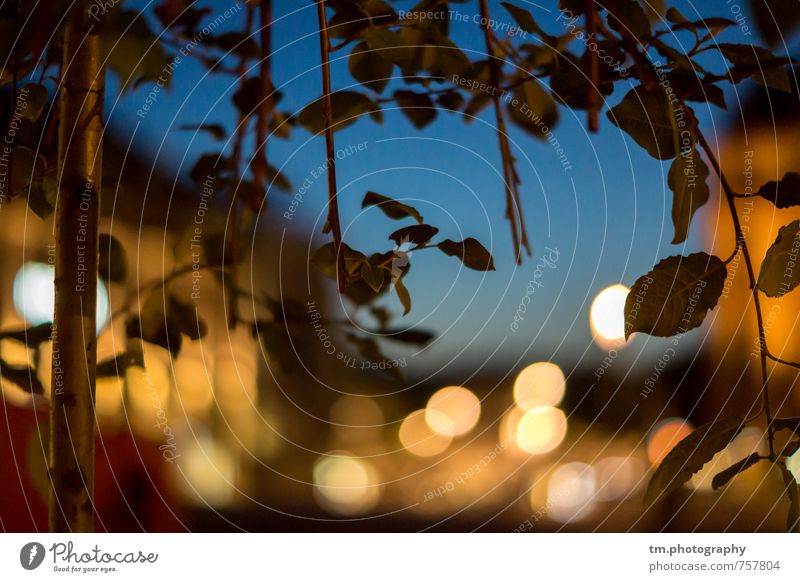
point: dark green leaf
(783, 193)
(470, 252)
(780, 272)
(722, 478)
(324, 258)
(675, 296)
(417, 234)
(113, 264)
(687, 179)
(390, 207)
(689, 456)
(524, 19)
(373, 276)
(369, 67)
(648, 119)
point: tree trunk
(72, 419)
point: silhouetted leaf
(450, 100)
(535, 111)
(793, 517)
(417, 234)
(24, 377)
(792, 424)
(648, 119)
(373, 276)
(131, 49)
(30, 336)
(524, 19)
(756, 63)
(722, 478)
(215, 130)
(470, 252)
(369, 68)
(116, 366)
(689, 456)
(783, 193)
(390, 207)
(780, 272)
(324, 258)
(347, 107)
(628, 16)
(113, 265)
(417, 107)
(687, 179)
(408, 336)
(776, 20)
(675, 296)
(403, 295)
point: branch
(593, 84)
(330, 149)
(782, 361)
(519, 233)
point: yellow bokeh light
(209, 471)
(452, 411)
(418, 438)
(508, 426)
(664, 437)
(607, 315)
(540, 384)
(541, 430)
(195, 393)
(571, 492)
(345, 484)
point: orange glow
(540, 384)
(541, 430)
(452, 411)
(664, 437)
(418, 438)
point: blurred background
(547, 425)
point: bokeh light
(452, 411)
(34, 295)
(209, 470)
(418, 438)
(664, 436)
(541, 430)
(540, 384)
(617, 477)
(345, 484)
(607, 315)
(571, 492)
(356, 415)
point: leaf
(524, 19)
(758, 64)
(373, 276)
(451, 100)
(793, 517)
(790, 448)
(369, 67)
(35, 100)
(628, 17)
(647, 118)
(42, 197)
(689, 456)
(116, 366)
(780, 272)
(792, 424)
(687, 179)
(417, 107)
(324, 258)
(723, 477)
(247, 97)
(403, 295)
(24, 377)
(346, 106)
(534, 110)
(215, 130)
(675, 296)
(776, 20)
(32, 337)
(408, 336)
(132, 51)
(113, 264)
(184, 317)
(470, 252)
(390, 207)
(783, 193)
(277, 345)
(417, 234)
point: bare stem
(330, 149)
(260, 164)
(730, 196)
(593, 85)
(519, 232)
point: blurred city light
(540, 384)
(345, 484)
(541, 430)
(418, 438)
(607, 316)
(452, 411)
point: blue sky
(608, 217)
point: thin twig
(782, 361)
(519, 233)
(260, 163)
(330, 149)
(762, 340)
(593, 85)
